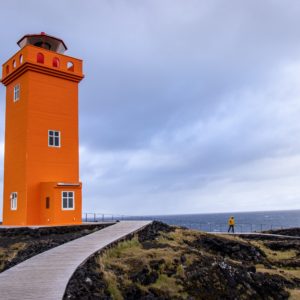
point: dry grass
(169, 285)
(129, 255)
(112, 282)
(126, 255)
(113, 258)
(274, 255)
(294, 294)
(231, 237)
(7, 254)
(286, 273)
(127, 258)
(277, 256)
(182, 234)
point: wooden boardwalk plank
(46, 275)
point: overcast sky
(187, 106)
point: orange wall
(15, 153)
(55, 215)
(52, 104)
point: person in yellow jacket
(231, 224)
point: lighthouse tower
(41, 159)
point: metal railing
(208, 226)
(223, 227)
(98, 217)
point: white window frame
(53, 136)
(67, 198)
(13, 201)
(17, 92)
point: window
(47, 202)
(16, 92)
(13, 201)
(21, 59)
(53, 138)
(55, 62)
(70, 66)
(67, 200)
(40, 58)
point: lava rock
(228, 248)
(151, 232)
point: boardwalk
(46, 275)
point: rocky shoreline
(163, 262)
(19, 244)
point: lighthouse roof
(43, 40)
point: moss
(275, 255)
(120, 248)
(113, 289)
(180, 271)
(169, 285)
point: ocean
(245, 221)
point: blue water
(245, 221)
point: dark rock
(286, 231)
(144, 276)
(230, 281)
(153, 245)
(149, 233)
(283, 245)
(155, 264)
(182, 258)
(288, 263)
(228, 248)
(87, 283)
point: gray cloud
(186, 105)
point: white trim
(59, 138)
(62, 200)
(13, 201)
(17, 92)
(67, 184)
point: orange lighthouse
(41, 158)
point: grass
(111, 280)
(169, 285)
(127, 258)
(7, 254)
(130, 254)
(294, 294)
(275, 255)
(120, 248)
(287, 273)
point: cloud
(187, 106)
(247, 142)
